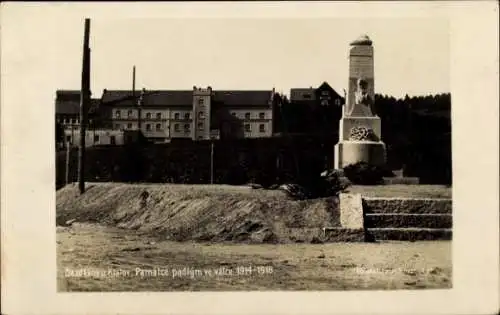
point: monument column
(360, 127)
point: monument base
(352, 152)
(347, 123)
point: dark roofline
(69, 92)
(128, 97)
(271, 90)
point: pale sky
(411, 54)
(280, 46)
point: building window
(262, 128)
(201, 115)
(148, 115)
(96, 139)
(262, 115)
(112, 140)
(176, 116)
(129, 114)
(158, 115)
(68, 138)
(148, 127)
(234, 114)
(187, 127)
(247, 128)
(176, 127)
(72, 121)
(247, 115)
(129, 126)
(158, 126)
(201, 101)
(308, 96)
(200, 126)
(186, 116)
(117, 114)
(117, 126)
(200, 137)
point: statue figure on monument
(363, 102)
(361, 95)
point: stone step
(338, 234)
(408, 234)
(407, 205)
(408, 220)
(326, 234)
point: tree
(59, 133)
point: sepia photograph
(338, 177)
(277, 157)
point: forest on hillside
(416, 130)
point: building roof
(150, 98)
(302, 94)
(185, 98)
(68, 102)
(310, 94)
(244, 98)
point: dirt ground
(92, 257)
(213, 212)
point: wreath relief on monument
(362, 133)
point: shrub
(363, 173)
(328, 184)
(333, 185)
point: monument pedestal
(352, 152)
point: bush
(328, 184)
(333, 184)
(363, 173)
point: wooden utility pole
(133, 82)
(212, 162)
(84, 105)
(68, 148)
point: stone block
(351, 211)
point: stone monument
(360, 127)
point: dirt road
(98, 258)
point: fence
(266, 161)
